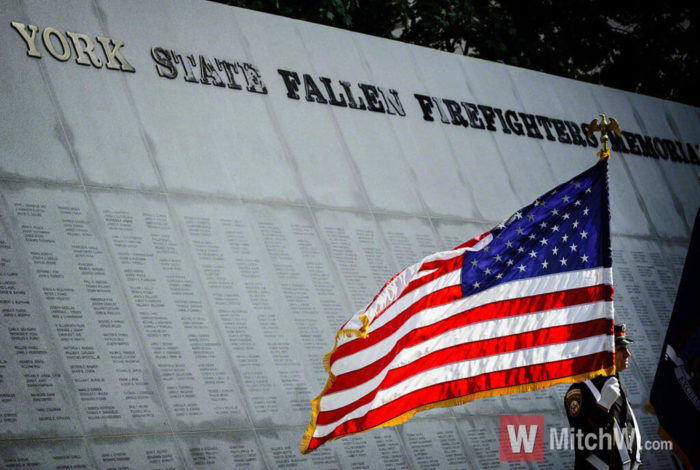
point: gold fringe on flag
(361, 333)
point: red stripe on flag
(445, 267)
(434, 299)
(417, 336)
(448, 264)
(461, 388)
(472, 242)
(466, 351)
(500, 309)
(441, 267)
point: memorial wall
(195, 197)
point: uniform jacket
(600, 406)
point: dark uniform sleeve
(585, 415)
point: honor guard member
(599, 408)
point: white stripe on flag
(393, 289)
(474, 367)
(505, 291)
(489, 329)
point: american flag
(524, 306)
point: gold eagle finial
(603, 127)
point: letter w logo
(522, 438)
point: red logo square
(522, 438)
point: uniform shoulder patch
(573, 402)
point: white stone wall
(176, 256)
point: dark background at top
(643, 47)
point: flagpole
(603, 127)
